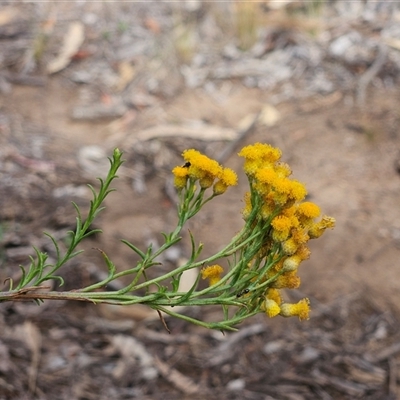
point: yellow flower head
(201, 167)
(291, 263)
(206, 181)
(181, 172)
(266, 176)
(281, 199)
(268, 207)
(297, 191)
(260, 151)
(283, 170)
(269, 154)
(275, 295)
(270, 307)
(283, 186)
(300, 236)
(281, 225)
(227, 178)
(318, 228)
(303, 252)
(328, 222)
(308, 210)
(258, 155)
(289, 246)
(288, 280)
(212, 273)
(210, 166)
(293, 220)
(180, 176)
(289, 211)
(286, 192)
(250, 167)
(300, 309)
(190, 155)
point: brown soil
(348, 157)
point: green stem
(223, 253)
(95, 208)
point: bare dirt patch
(346, 153)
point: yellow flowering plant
(263, 258)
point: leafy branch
(263, 257)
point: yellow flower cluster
(270, 177)
(292, 222)
(279, 224)
(212, 273)
(208, 172)
(257, 156)
(273, 306)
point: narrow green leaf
(21, 283)
(110, 265)
(193, 247)
(199, 250)
(101, 183)
(10, 282)
(149, 251)
(97, 211)
(41, 260)
(93, 191)
(74, 254)
(166, 236)
(226, 311)
(78, 228)
(56, 278)
(135, 249)
(109, 191)
(92, 232)
(175, 282)
(54, 243)
(78, 211)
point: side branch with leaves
(262, 258)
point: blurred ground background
(319, 79)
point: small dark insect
(240, 294)
(186, 165)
